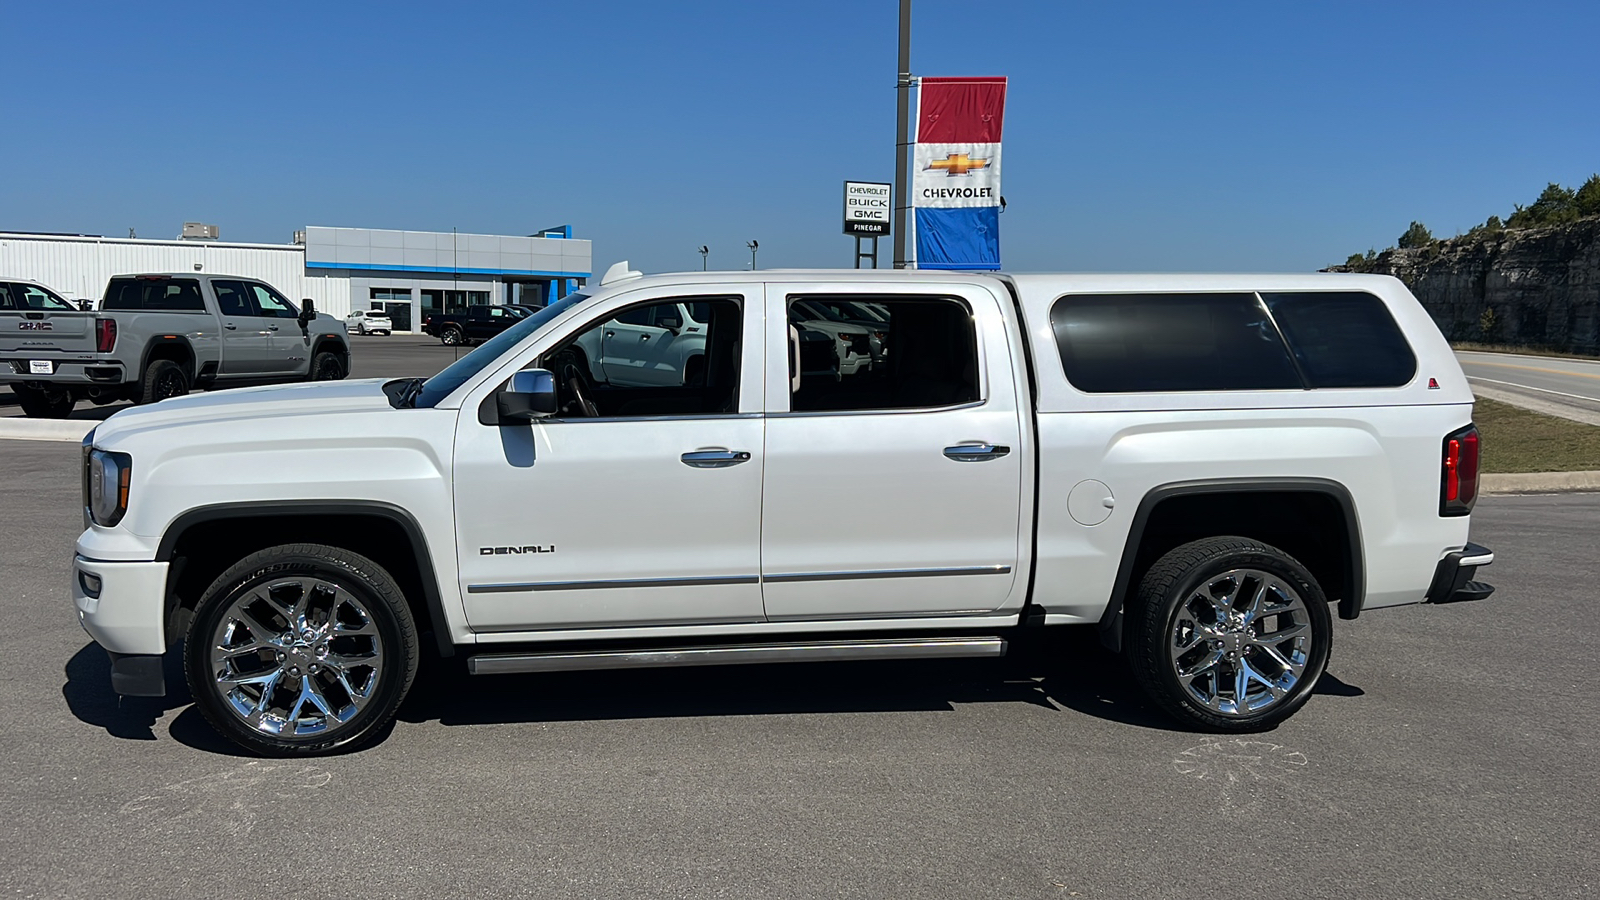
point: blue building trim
(367, 267)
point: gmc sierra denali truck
(159, 336)
(1201, 467)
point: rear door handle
(976, 452)
(231, 327)
(715, 458)
(272, 328)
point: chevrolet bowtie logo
(958, 164)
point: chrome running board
(741, 654)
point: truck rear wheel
(1229, 634)
(163, 378)
(300, 650)
(44, 403)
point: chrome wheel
(296, 657)
(1240, 643)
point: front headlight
(106, 477)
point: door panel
(865, 514)
(647, 515)
(287, 346)
(244, 333)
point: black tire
(1178, 594)
(452, 336)
(260, 593)
(44, 403)
(327, 366)
(163, 378)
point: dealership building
(409, 274)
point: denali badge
(36, 326)
(501, 551)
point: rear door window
(232, 298)
(154, 294)
(1114, 343)
(1343, 339)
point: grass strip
(1520, 440)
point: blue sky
(1139, 136)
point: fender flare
(399, 516)
(1110, 626)
(193, 366)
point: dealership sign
(866, 209)
(955, 187)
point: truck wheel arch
(277, 521)
(1344, 568)
(174, 347)
(329, 344)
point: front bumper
(1452, 580)
(127, 614)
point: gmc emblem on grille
(36, 326)
(502, 551)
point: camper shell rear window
(1229, 341)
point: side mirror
(308, 311)
(530, 395)
(670, 323)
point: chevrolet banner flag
(956, 175)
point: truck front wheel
(1229, 634)
(451, 336)
(300, 650)
(44, 403)
(327, 366)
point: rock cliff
(1534, 286)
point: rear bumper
(14, 369)
(1452, 580)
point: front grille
(859, 343)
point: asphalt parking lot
(1450, 753)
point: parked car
(854, 342)
(1200, 468)
(20, 294)
(369, 321)
(478, 323)
(159, 336)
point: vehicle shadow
(90, 698)
(1061, 670)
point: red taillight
(105, 335)
(1460, 488)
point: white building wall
(79, 267)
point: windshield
(439, 386)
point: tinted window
(232, 299)
(165, 294)
(923, 357)
(30, 296)
(271, 305)
(456, 374)
(1170, 342)
(1343, 339)
(625, 373)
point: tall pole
(902, 135)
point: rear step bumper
(1452, 580)
(741, 654)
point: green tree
(1588, 197)
(1416, 236)
(1556, 205)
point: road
(1450, 753)
(1555, 385)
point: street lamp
(753, 245)
(703, 251)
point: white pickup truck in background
(1200, 467)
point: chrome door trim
(906, 411)
(818, 651)
(884, 573)
(616, 583)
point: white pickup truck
(1199, 466)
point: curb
(1539, 482)
(21, 429)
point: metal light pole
(902, 135)
(753, 245)
(704, 250)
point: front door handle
(976, 452)
(714, 458)
(231, 327)
(272, 328)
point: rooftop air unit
(198, 231)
